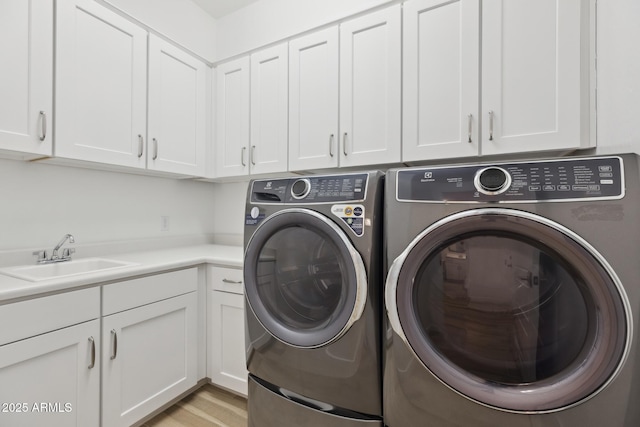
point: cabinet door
(52, 379)
(149, 357)
(26, 86)
(232, 118)
(101, 82)
(228, 366)
(177, 103)
(313, 100)
(370, 81)
(535, 79)
(269, 84)
(440, 79)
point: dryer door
(510, 310)
(304, 280)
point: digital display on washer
(333, 188)
(539, 181)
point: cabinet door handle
(331, 138)
(235, 282)
(490, 125)
(344, 144)
(242, 153)
(140, 145)
(155, 148)
(43, 126)
(114, 348)
(92, 343)
(253, 155)
(470, 118)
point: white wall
(42, 202)
(228, 212)
(618, 76)
(180, 20)
(268, 21)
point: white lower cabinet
(227, 365)
(63, 365)
(52, 379)
(149, 353)
(50, 370)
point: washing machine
(313, 286)
(513, 294)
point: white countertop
(145, 262)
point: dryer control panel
(594, 178)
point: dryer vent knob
(300, 188)
(492, 180)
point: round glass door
(304, 281)
(510, 310)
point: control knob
(492, 181)
(301, 188)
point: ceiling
(219, 8)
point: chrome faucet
(66, 253)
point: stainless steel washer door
(304, 280)
(510, 309)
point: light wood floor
(207, 407)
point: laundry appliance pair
(511, 296)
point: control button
(549, 188)
(300, 188)
(535, 188)
(492, 180)
(564, 187)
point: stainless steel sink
(38, 272)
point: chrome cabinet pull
(92, 342)
(331, 138)
(242, 153)
(253, 155)
(43, 126)
(140, 145)
(155, 148)
(344, 144)
(114, 339)
(235, 282)
(490, 125)
(470, 117)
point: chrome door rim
(355, 259)
(391, 286)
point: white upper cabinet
(313, 100)
(535, 75)
(269, 110)
(26, 67)
(232, 118)
(534, 59)
(370, 88)
(101, 85)
(440, 79)
(177, 110)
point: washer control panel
(548, 180)
(311, 189)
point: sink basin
(35, 273)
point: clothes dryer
(313, 287)
(512, 294)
